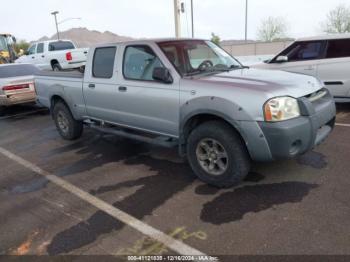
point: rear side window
(12, 70)
(61, 45)
(103, 62)
(139, 62)
(40, 48)
(338, 48)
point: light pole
(55, 15)
(246, 20)
(177, 19)
(192, 19)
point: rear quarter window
(103, 62)
(18, 70)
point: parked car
(55, 55)
(17, 85)
(325, 57)
(191, 94)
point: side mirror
(162, 74)
(26, 53)
(282, 59)
(14, 39)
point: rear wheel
(56, 67)
(67, 126)
(217, 154)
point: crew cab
(55, 55)
(325, 57)
(191, 94)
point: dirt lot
(299, 206)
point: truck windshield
(192, 57)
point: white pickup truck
(55, 55)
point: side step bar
(155, 140)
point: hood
(273, 83)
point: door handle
(42, 56)
(92, 86)
(33, 57)
(122, 89)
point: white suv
(325, 57)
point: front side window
(103, 62)
(338, 48)
(191, 57)
(302, 51)
(31, 50)
(40, 48)
(61, 45)
(139, 63)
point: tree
(215, 38)
(338, 20)
(22, 44)
(272, 28)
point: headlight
(281, 108)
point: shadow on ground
(153, 191)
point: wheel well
(55, 99)
(197, 120)
(53, 62)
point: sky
(155, 18)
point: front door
(303, 57)
(143, 102)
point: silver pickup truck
(191, 94)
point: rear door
(100, 86)
(334, 70)
(303, 57)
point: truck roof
(325, 37)
(55, 40)
(151, 40)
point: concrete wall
(255, 49)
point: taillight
(69, 56)
(16, 87)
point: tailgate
(79, 55)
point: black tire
(237, 164)
(71, 129)
(2, 110)
(56, 67)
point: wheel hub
(212, 156)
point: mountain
(84, 37)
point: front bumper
(20, 98)
(289, 138)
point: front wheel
(67, 126)
(217, 154)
